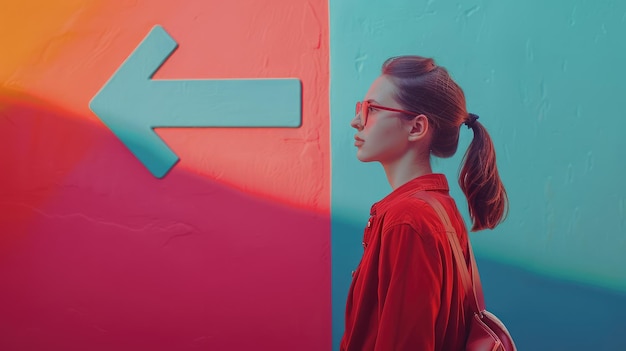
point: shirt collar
(433, 181)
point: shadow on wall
(97, 254)
(541, 313)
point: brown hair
(424, 87)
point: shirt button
(369, 224)
(364, 244)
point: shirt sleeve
(409, 290)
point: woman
(406, 293)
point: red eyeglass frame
(364, 107)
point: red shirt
(406, 293)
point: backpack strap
(470, 278)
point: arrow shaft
(221, 103)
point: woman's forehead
(381, 91)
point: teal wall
(547, 79)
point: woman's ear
(419, 128)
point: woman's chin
(362, 156)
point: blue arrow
(131, 103)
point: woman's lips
(358, 141)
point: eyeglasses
(363, 107)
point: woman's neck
(407, 168)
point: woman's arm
(409, 290)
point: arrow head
(118, 103)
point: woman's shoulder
(414, 212)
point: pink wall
(229, 251)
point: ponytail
(479, 179)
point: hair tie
(470, 121)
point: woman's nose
(356, 122)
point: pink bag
(486, 331)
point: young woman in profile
(406, 293)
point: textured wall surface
(546, 79)
(232, 249)
(229, 251)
